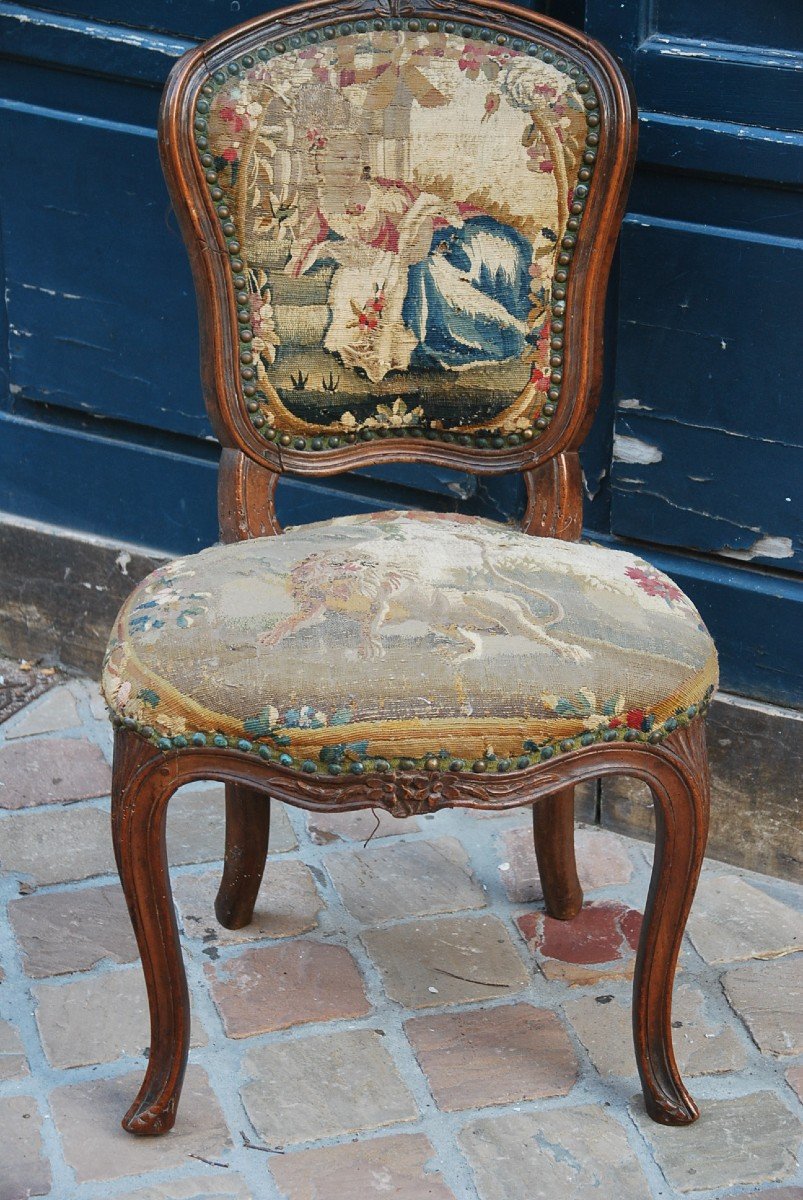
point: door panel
(705, 397)
(743, 22)
(702, 405)
(195, 19)
(100, 301)
(720, 81)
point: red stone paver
(749, 1139)
(287, 905)
(731, 921)
(450, 960)
(87, 1118)
(61, 932)
(323, 1086)
(273, 987)
(408, 879)
(794, 1077)
(13, 1063)
(98, 1019)
(222, 1185)
(600, 942)
(363, 825)
(24, 1170)
(783, 1193)
(52, 714)
(602, 861)
(768, 996)
(57, 845)
(494, 1055)
(564, 1154)
(403, 1167)
(196, 825)
(704, 1045)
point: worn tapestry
(406, 635)
(399, 200)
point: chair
(401, 218)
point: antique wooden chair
(401, 218)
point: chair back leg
(553, 834)
(247, 835)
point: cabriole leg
(143, 782)
(681, 793)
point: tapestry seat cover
(397, 639)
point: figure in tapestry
(400, 261)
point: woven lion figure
(375, 596)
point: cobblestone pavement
(400, 1019)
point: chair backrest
(401, 218)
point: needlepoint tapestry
(392, 636)
(399, 200)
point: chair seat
(392, 639)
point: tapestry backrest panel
(400, 200)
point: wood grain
(555, 498)
(143, 782)
(553, 834)
(246, 498)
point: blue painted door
(694, 456)
(703, 398)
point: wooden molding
(555, 498)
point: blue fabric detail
(447, 307)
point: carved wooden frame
(145, 778)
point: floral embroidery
(165, 600)
(386, 416)
(655, 584)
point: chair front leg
(553, 834)
(247, 836)
(680, 786)
(142, 783)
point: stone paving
(401, 1019)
